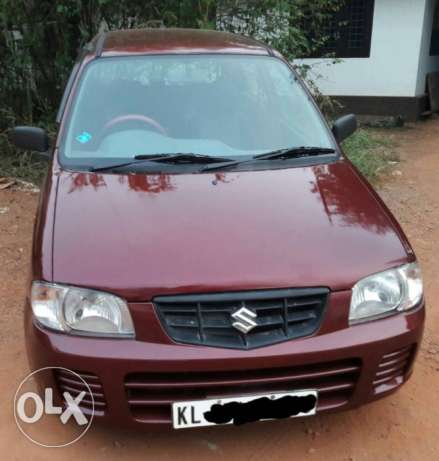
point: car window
(220, 105)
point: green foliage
(284, 24)
(370, 153)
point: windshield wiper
(184, 158)
(289, 152)
(164, 158)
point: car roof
(168, 41)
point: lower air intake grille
(150, 395)
(393, 368)
(275, 316)
(69, 382)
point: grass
(16, 163)
(19, 164)
(371, 153)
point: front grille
(207, 319)
(150, 395)
(393, 368)
(69, 382)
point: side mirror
(30, 138)
(344, 127)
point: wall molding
(410, 108)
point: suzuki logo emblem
(244, 320)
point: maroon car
(204, 252)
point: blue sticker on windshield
(84, 137)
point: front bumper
(135, 381)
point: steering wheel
(113, 123)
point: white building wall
(427, 63)
(392, 69)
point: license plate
(244, 409)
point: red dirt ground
(403, 427)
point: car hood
(140, 235)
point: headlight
(378, 295)
(78, 310)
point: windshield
(216, 105)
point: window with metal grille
(348, 33)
